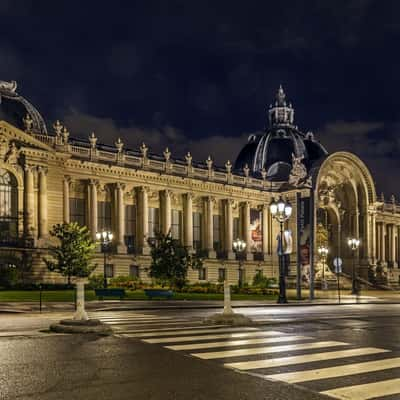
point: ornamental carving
(298, 172)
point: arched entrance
(345, 194)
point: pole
(104, 271)
(299, 216)
(312, 236)
(354, 289)
(40, 298)
(338, 285)
(282, 284)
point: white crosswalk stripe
(267, 350)
(366, 391)
(335, 372)
(284, 361)
(308, 359)
(217, 336)
(244, 342)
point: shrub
(262, 281)
(126, 282)
(96, 281)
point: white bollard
(227, 299)
(80, 313)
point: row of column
(142, 221)
(386, 243)
(31, 229)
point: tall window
(217, 232)
(104, 215)
(197, 230)
(8, 206)
(77, 211)
(130, 227)
(153, 222)
(176, 217)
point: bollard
(227, 299)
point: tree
(170, 260)
(72, 256)
(74, 251)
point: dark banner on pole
(304, 239)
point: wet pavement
(300, 352)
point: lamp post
(323, 253)
(354, 244)
(239, 246)
(105, 238)
(281, 211)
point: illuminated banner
(256, 231)
(304, 238)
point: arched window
(8, 207)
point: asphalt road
(311, 352)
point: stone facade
(50, 177)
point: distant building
(47, 177)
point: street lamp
(281, 211)
(239, 246)
(354, 244)
(323, 253)
(105, 238)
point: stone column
(373, 255)
(188, 220)
(93, 207)
(209, 233)
(383, 243)
(119, 188)
(228, 204)
(165, 211)
(66, 208)
(392, 245)
(265, 224)
(43, 225)
(142, 194)
(246, 230)
(29, 199)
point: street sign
(337, 263)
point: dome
(15, 109)
(275, 150)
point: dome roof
(274, 150)
(15, 109)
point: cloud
(376, 143)
(220, 148)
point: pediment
(9, 133)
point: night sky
(198, 75)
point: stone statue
(298, 172)
(10, 86)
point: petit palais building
(48, 176)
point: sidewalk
(329, 298)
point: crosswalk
(338, 369)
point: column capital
(143, 189)
(29, 168)
(209, 199)
(120, 185)
(189, 195)
(42, 170)
(93, 182)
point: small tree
(72, 256)
(74, 251)
(170, 260)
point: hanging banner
(304, 239)
(255, 230)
